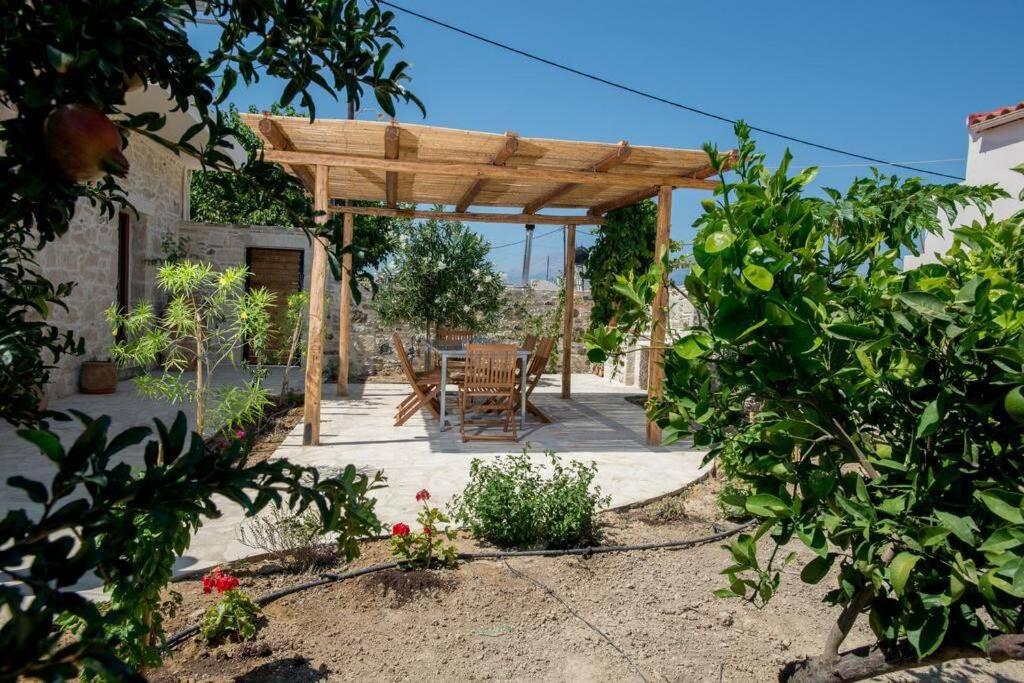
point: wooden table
(449, 350)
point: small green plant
(512, 504)
(234, 613)
(295, 327)
(208, 318)
(430, 547)
(288, 534)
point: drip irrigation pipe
(330, 577)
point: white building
(995, 147)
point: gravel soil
(640, 616)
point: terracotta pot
(97, 377)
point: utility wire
(512, 244)
(658, 98)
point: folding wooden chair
(538, 362)
(426, 386)
(531, 342)
(489, 387)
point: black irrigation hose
(177, 638)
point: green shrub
(235, 613)
(512, 504)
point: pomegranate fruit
(84, 144)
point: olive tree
(888, 416)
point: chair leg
(536, 412)
(424, 399)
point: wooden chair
(538, 362)
(426, 386)
(489, 386)
(531, 342)
(453, 336)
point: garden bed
(488, 620)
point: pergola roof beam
(517, 218)
(276, 136)
(392, 135)
(485, 171)
(603, 165)
(503, 155)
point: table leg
(522, 398)
(444, 387)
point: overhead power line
(658, 98)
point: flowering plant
(235, 612)
(432, 546)
(219, 580)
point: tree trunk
(291, 357)
(868, 661)
(200, 388)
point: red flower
(423, 495)
(427, 531)
(219, 580)
(400, 529)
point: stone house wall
(87, 255)
(631, 369)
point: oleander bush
(513, 502)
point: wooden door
(280, 271)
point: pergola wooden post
(659, 312)
(568, 309)
(315, 342)
(390, 163)
(345, 305)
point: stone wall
(526, 312)
(631, 369)
(87, 255)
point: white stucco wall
(991, 155)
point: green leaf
(47, 443)
(926, 629)
(1002, 503)
(925, 304)
(899, 570)
(816, 569)
(850, 332)
(960, 526)
(693, 345)
(759, 276)
(930, 420)
(718, 241)
(1002, 539)
(766, 505)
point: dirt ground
(491, 620)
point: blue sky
(893, 80)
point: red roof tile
(982, 116)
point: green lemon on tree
(1014, 404)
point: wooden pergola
(344, 159)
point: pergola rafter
(425, 165)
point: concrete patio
(597, 425)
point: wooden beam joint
(602, 165)
(276, 136)
(509, 148)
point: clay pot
(97, 377)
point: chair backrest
(540, 360)
(444, 334)
(491, 366)
(531, 342)
(403, 358)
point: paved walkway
(597, 425)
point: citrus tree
(874, 415)
(439, 276)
